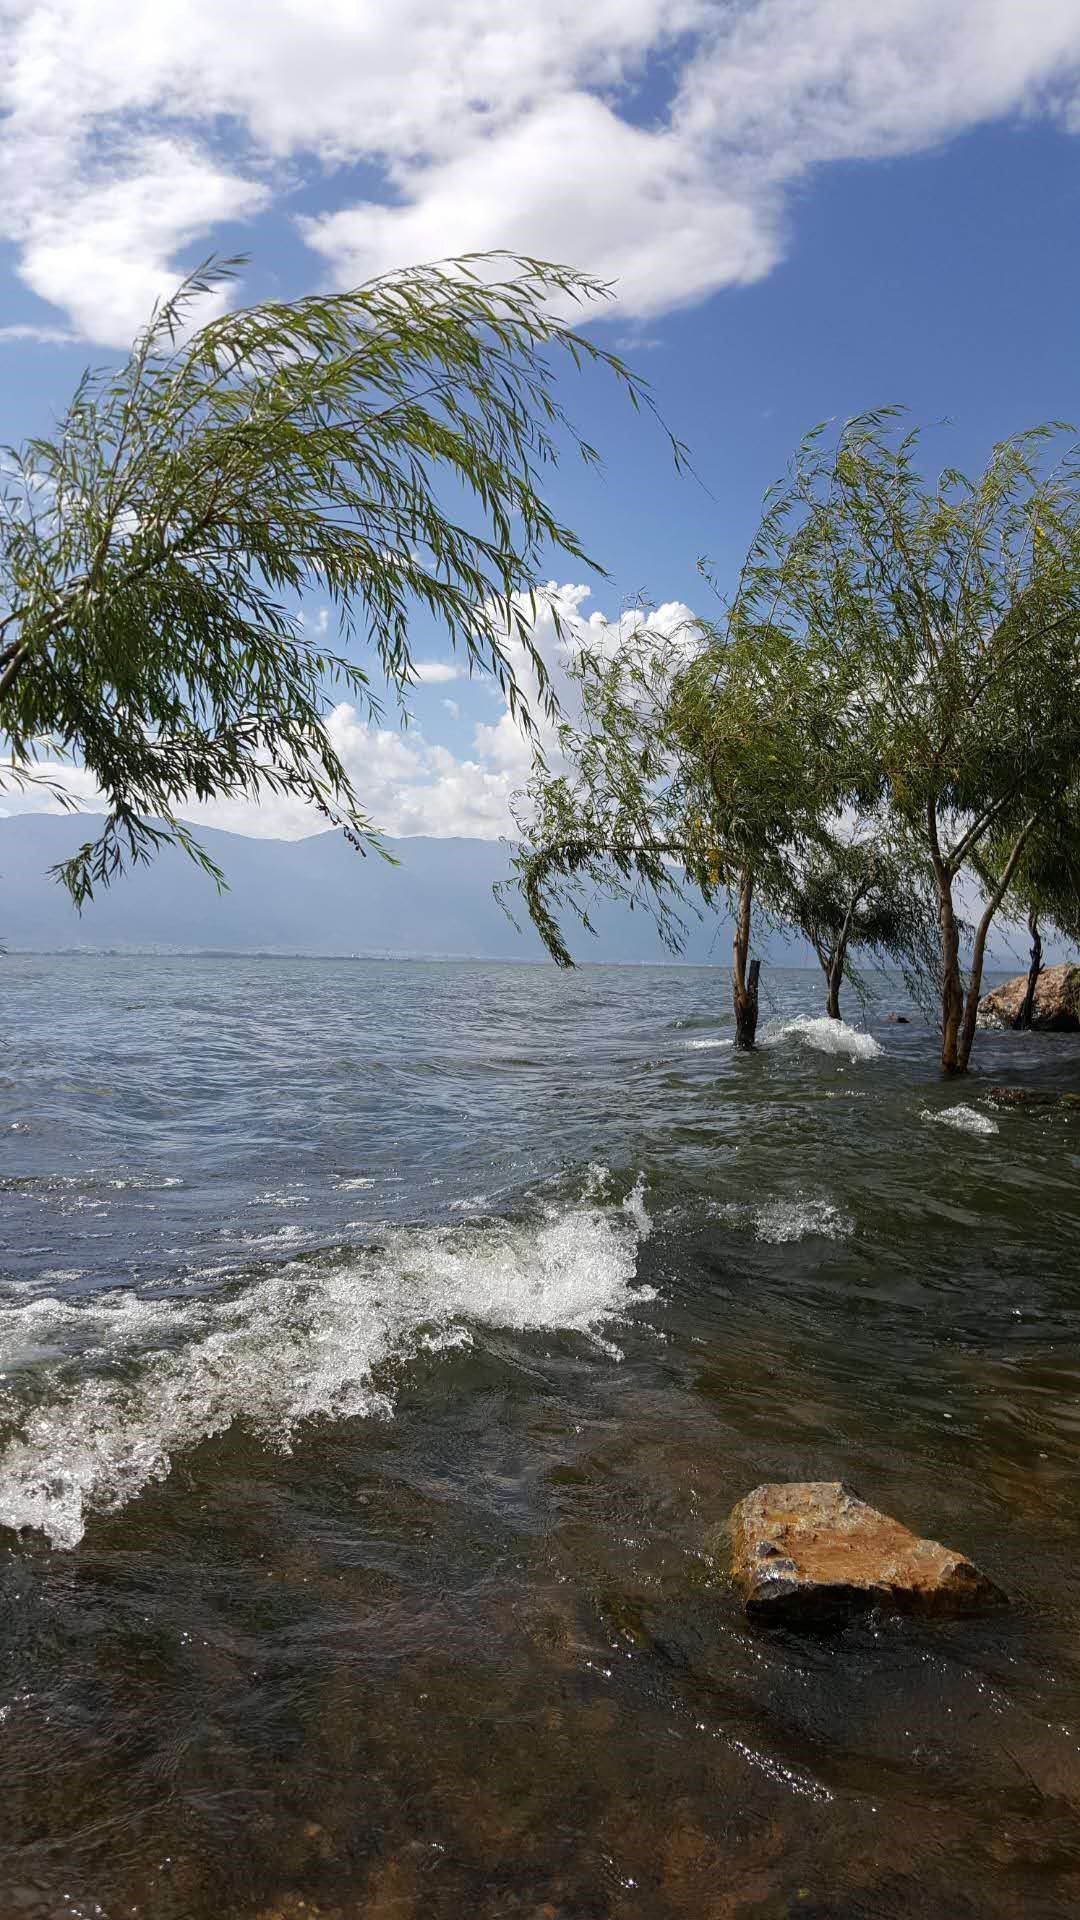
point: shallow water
(379, 1342)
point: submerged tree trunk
(1025, 1017)
(835, 961)
(834, 970)
(832, 1004)
(952, 983)
(971, 1009)
(744, 971)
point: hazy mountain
(297, 896)
(318, 896)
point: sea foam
(310, 1341)
(827, 1036)
(964, 1119)
(779, 1222)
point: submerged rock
(1056, 1007)
(1036, 1100)
(810, 1553)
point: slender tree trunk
(1025, 1017)
(834, 972)
(825, 962)
(971, 1010)
(952, 981)
(952, 984)
(835, 963)
(744, 971)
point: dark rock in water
(1036, 1100)
(810, 1553)
(1056, 1007)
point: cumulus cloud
(408, 783)
(126, 139)
(640, 207)
(434, 673)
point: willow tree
(383, 450)
(1045, 887)
(691, 775)
(952, 610)
(858, 893)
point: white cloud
(635, 206)
(434, 673)
(19, 333)
(128, 138)
(408, 783)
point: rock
(810, 1553)
(1036, 1099)
(1057, 1001)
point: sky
(806, 208)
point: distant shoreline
(11, 952)
(719, 966)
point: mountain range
(315, 896)
(318, 896)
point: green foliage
(697, 754)
(153, 553)
(952, 608)
(951, 612)
(864, 894)
(896, 648)
(1045, 887)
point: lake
(379, 1342)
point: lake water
(378, 1343)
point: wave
(964, 1119)
(64, 1183)
(310, 1341)
(780, 1222)
(828, 1036)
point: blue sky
(807, 206)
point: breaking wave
(309, 1341)
(828, 1036)
(964, 1119)
(779, 1222)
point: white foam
(153, 1182)
(828, 1036)
(635, 1209)
(309, 1341)
(781, 1221)
(964, 1119)
(707, 1046)
(88, 1183)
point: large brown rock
(1057, 1001)
(810, 1553)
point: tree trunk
(834, 972)
(744, 971)
(952, 984)
(1025, 1017)
(746, 1009)
(971, 1009)
(832, 1004)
